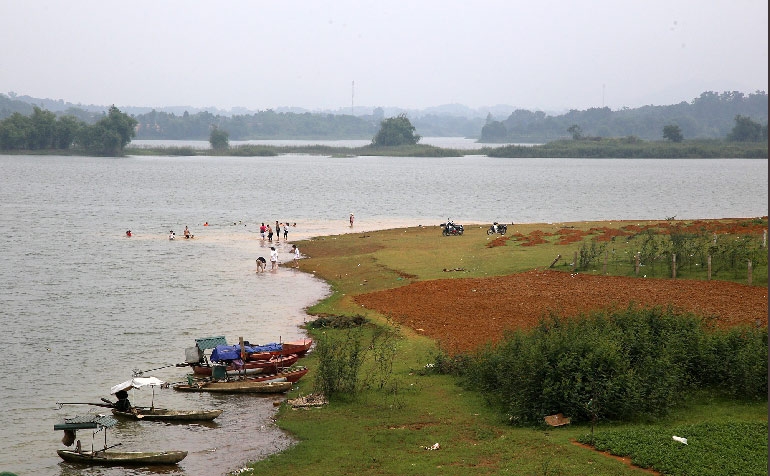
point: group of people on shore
(267, 232)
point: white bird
(680, 439)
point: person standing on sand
(296, 255)
(269, 234)
(273, 258)
(351, 219)
(286, 231)
(277, 231)
(262, 231)
(261, 264)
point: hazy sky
(549, 55)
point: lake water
(83, 306)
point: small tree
(395, 131)
(673, 133)
(109, 135)
(746, 130)
(576, 131)
(219, 139)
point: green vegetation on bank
(631, 148)
(406, 395)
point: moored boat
(121, 458)
(236, 386)
(165, 414)
(270, 365)
(104, 456)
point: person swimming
(128, 233)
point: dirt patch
(463, 314)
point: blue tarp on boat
(232, 352)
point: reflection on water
(83, 306)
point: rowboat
(221, 351)
(164, 414)
(121, 458)
(104, 456)
(272, 364)
(124, 409)
(236, 386)
(263, 352)
(291, 375)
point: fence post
(673, 265)
(750, 270)
(708, 266)
(636, 266)
(604, 268)
(574, 262)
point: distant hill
(709, 116)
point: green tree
(673, 133)
(219, 139)
(65, 131)
(109, 135)
(494, 131)
(395, 131)
(15, 132)
(746, 130)
(576, 131)
(43, 125)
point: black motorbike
(450, 228)
(497, 228)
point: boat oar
(85, 403)
(139, 373)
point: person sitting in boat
(123, 404)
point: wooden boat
(120, 458)
(236, 386)
(164, 414)
(104, 456)
(299, 347)
(271, 365)
(291, 375)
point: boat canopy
(86, 422)
(233, 352)
(137, 382)
(205, 343)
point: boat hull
(120, 458)
(254, 366)
(163, 414)
(237, 386)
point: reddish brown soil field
(462, 314)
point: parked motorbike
(450, 228)
(497, 228)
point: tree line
(43, 130)
(709, 116)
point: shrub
(630, 364)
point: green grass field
(389, 426)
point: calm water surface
(82, 306)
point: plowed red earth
(463, 314)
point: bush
(339, 359)
(636, 363)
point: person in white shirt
(296, 255)
(273, 258)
